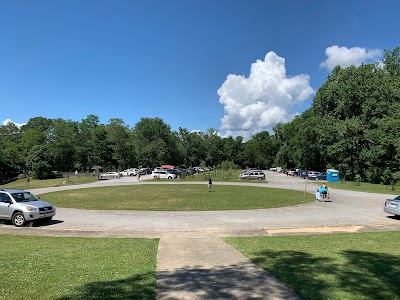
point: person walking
(209, 183)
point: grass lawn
(337, 266)
(364, 187)
(34, 183)
(183, 197)
(77, 268)
(217, 175)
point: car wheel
(155, 177)
(131, 174)
(169, 177)
(18, 219)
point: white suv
(253, 175)
(163, 175)
(129, 172)
(21, 207)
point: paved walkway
(196, 266)
(193, 262)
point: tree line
(353, 125)
(45, 145)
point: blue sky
(236, 66)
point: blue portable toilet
(332, 175)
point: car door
(5, 208)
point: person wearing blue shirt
(324, 192)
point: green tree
(119, 140)
(62, 144)
(11, 158)
(154, 142)
(40, 160)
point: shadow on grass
(140, 287)
(241, 281)
(363, 275)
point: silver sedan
(392, 206)
(110, 175)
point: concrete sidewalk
(198, 266)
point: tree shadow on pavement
(243, 281)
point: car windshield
(24, 197)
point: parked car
(321, 176)
(252, 175)
(177, 172)
(145, 171)
(392, 206)
(20, 207)
(303, 174)
(163, 175)
(128, 172)
(183, 171)
(198, 170)
(110, 175)
(312, 175)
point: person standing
(317, 196)
(209, 183)
(324, 192)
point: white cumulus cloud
(5, 122)
(346, 57)
(262, 100)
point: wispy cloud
(346, 57)
(5, 122)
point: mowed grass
(77, 268)
(35, 183)
(338, 266)
(365, 187)
(217, 175)
(176, 197)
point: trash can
(332, 175)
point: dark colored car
(321, 176)
(175, 171)
(144, 171)
(303, 174)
